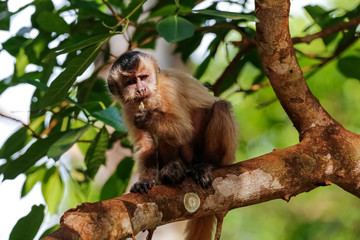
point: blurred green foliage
(66, 111)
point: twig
(254, 87)
(251, 44)
(33, 133)
(118, 18)
(229, 68)
(335, 55)
(328, 31)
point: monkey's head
(133, 77)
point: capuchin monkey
(177, 127)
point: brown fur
(195, 131)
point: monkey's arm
(146, 157)
(174, 127)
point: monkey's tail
(200, 228)
(221, 134)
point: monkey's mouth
(139, 99)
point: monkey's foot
(172, 173)
(142, 186)
(201, 173)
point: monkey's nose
(141, 92)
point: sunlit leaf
(22, 61)
(14, 143)
(80, 45)
(27, 227)
(175, 28)
(95, 155)
(61, 85)
(32, 178)
(65, 142)
(34, 153)
(52, 188)
(117, 183)
(111, 116)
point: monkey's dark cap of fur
(129, 61)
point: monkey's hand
(142, 186)
(173, 173)
(201, 173)
(142, 119)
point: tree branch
(33, 133)
(282, 68)
(328, 31)
(248, 44)
(316, 161)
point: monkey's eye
(143, 77)
(131, 81)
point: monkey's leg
(172, 169)
(146, 155)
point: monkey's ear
(114, 87)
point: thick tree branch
(330, 155)
(282, 68)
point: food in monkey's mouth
(141, 106)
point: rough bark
(327, 153)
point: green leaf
(14, 44)
(52, 188)
(89, 134)
(34, 153)
(28, 226)
(32, 178)
(49, 231)
(61, 85)
(175, 28)
(93, 90)
(225, 14)
(117, 183)
(4, 16)
(14, 143)
(166, 10)
(52, 22)
(111, 116)
(349, 66)
(22, 61)
(95, 156)
(79, 45)
(202, 67)
(316, 12)
(65, 142)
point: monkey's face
(138, 86)
(132, 77)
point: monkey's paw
(173, 173)
(201, 174)
(142, 119)
(142, 186)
